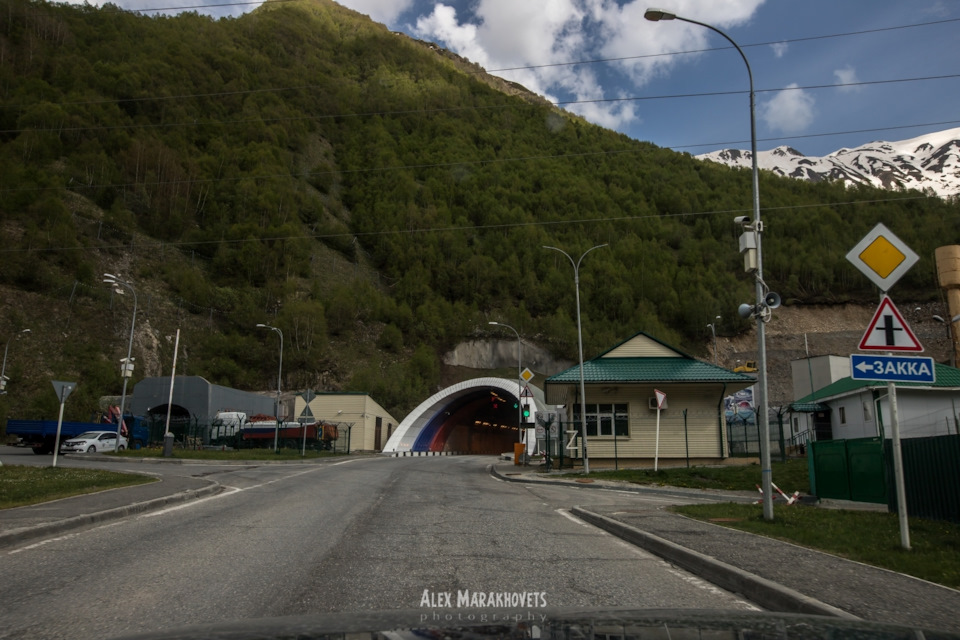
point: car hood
(547, 624)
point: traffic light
(526, 413)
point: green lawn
(866, 536)
(790, 476)
(21, 485)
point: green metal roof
(946, 378)
(808, 407)
(654, 369)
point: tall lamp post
(3, 371)
(276, 432)
(951, 332)
(583, 399)
(519, 388)
(713, 330)
(760, 310)
(126, 365)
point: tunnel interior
(180, 420)
(482, 421)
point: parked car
(92, 442)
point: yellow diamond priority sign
(882, 257)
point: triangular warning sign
(661, 396)
(888, 331)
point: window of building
(604, 419)
(843, 415)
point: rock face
(829, 330)
(500, 354)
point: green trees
(374, 198)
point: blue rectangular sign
(892, 368)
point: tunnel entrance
(484, 422)
(476, 417)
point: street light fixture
(276, 432)
(519, 389)
(126, 365)
(761, 310)
(3, 370)
(713, 330)
(951, 333)
(583, 399)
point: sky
(827, 74)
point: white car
(92, 442)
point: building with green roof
(848, 408)
(621, 403)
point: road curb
(640, 489)
(25, 534)
(763, 592)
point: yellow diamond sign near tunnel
(882, 257)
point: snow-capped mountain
(930, 161)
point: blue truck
(40, 435)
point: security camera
(742, 219)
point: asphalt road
(363, 534)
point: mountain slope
(376, 199)
(931, 161)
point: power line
(449, 229)
(400, 112)
(459, 163)
(713, 49)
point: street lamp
(3, 371)
(761, 310)
(583, 399)
(126, 365)
(713, 330)
(276, 432)
(950, 335)
(519, 390)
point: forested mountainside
(372, 196)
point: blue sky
(828, 74)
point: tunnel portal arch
(474, 416)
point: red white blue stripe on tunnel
(474, 416)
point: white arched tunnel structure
(474, 416)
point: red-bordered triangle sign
(888, 331)
(661, 396)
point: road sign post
(661, 396)
(63, 391)
(884, 258)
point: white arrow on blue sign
(892, 368)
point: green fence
(931, 473)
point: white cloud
(385, 11)
(847, 75)
(789, 111)
(779, 49)
(513, 33)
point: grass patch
(216, 454)
(866, 536)
(21, 485)
(790, 476)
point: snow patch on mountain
(930, 161)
